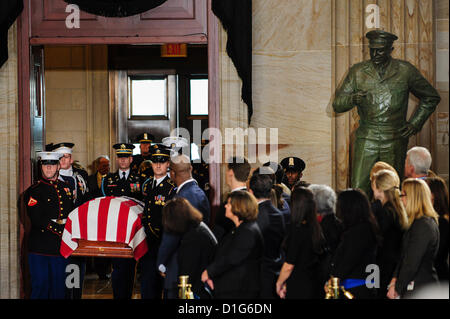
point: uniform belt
(60, 221)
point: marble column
(9, 224)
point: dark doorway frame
(24, 43)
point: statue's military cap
(379, 39)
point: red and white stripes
(113, 219)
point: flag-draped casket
(105, 226)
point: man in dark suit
(271, 222)
(236, 176)
(187, 187)
(95, 180)
(124, 182)
(181, 175)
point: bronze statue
(380, 88)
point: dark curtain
(236, 18)
(9, 11)
(116, 8)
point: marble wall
(9, 141)
(76, 100)
(442, 84)
(291, 84)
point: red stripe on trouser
(122, 223)
(82, 220)
(102, 218)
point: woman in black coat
(197, 246)
(299, 276)
(392, 220)
(358, 246)
(439, 193)
(420, 243)
(235, 271)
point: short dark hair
(261, 184)
(179, 215)
(240, 167)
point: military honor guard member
(124, 182)
(157, 190)
(48, 203)
(77, 178)
(293, 169)
(145, 142)
(74, 176)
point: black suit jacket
(389, 252)
(419, 248)
(235, 270)
(356, 250)
(196, 252)
(273, 230)
(94, 190)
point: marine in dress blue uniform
(48, 201)
(157, 190)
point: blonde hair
(418, 200)
(388, 182)
(378, 166)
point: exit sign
(174, 50)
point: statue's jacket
(384, 109)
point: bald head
(180, 169)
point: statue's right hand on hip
(408, 130)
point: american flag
(111, 219)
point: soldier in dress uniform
(76, 177)
(124, 182)
(157, 190)
(144, 140)
(293, 168)
(49, 201)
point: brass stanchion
(184, 291)
(333, 288)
